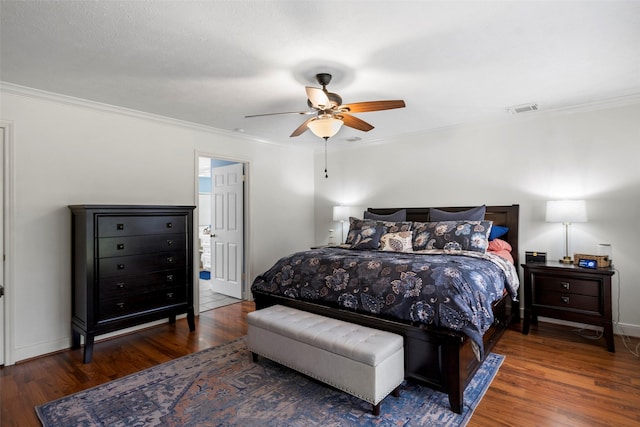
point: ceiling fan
(331, 113)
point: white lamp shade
(341, 213)
(325, 126)
(566, 211)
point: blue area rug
(221, 386)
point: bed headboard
(506, 216)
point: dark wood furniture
(568, 292)
(440, 358)
(130, 265)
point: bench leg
(376, 409)
(396, 392)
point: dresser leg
(191, 320)
(75, 339)
(88, 348)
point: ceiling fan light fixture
(325, 126)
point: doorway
(2, 282)
(6, 243)
(221, 235)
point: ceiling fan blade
(318, 98)
(356, 123)
(275, 114)
(363, 107)
(302, 128)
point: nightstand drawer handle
(169, 277)
(120, 285)
(169, 242)
(169, 260)
(120, 266)
(564, 300)
(169, 225)
(120, 306)
(169, 295)
(565, 285)
(120, 246)
(119, 226)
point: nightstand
(568, 292)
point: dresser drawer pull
(120, 285)
(169, 295)
(120, 266)
(120, 226)
(169, 225)
(169, 260)
(564, 300)
(169, 242)
(169, 277)
(120, 306)
(565, 285)
(120, 246)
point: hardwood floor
(551, 377)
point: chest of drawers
(568, 292)
(130, 265)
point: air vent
(517, 109)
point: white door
(2, 142)
(227, 235)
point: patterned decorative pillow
(360, 227)
(453, 235)
(395, 226)
(397, 242)
(367, 238)
(365, 227)
(420, 236)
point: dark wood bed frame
(440, 358)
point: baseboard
(618, 328)
(63, 344)
(626, 329)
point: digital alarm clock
(588, 263)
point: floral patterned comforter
(453, 291)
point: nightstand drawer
(568, 285)
(568, 301)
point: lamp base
(567, 260)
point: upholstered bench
(364, 362)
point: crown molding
(39, 94)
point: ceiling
(213, 62)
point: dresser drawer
(138, 264)
(133, 225)
(138, 304)
(135, 245)
(569, 285)
(567, 301)
(121, 286)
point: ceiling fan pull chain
(326, 175)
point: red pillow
(501, 248)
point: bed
(443, 349)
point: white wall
(66, 153)
(591, 154)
